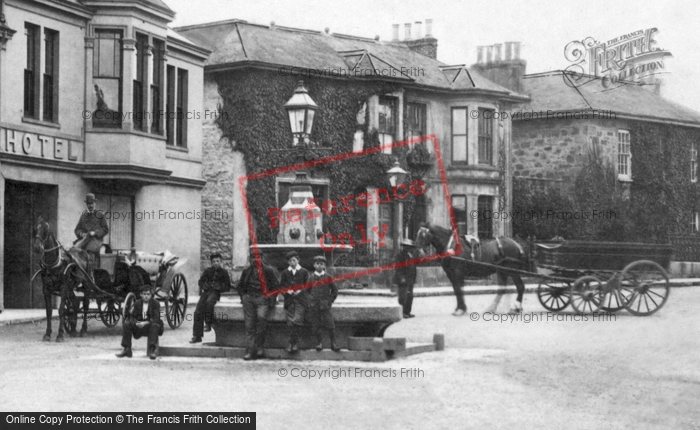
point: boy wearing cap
(143, 320)
(405, 277)
(91, 228)
(321, 298)
(256, 306)
(295, 302)
(213, 282)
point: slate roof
(158, 4)
(237, 42)
(549, 91)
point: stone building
(369, 92)
(97, 96)
(650, 142)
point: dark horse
(58, 277)
(503, 252)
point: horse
(56, 277)
(503, 252)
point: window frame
(695, 222)
(393, 104)
(422, 109)
(693, 162)
(140, 82)
(624, 158)
(465, 134)
(50, 85)
(32, 72)
(485, 128)
(181, 103)
(117, 55)
(157, 84)
(484, 225)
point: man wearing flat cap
(91, 228)
(256, 307)
(144, 320)
(405, 277)
(295, 302)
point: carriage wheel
(70, 315)
(110, 311)
(611, 300)
(128, 307)
(176, 302)
(553, 298)
(586, 294)
(644, 287)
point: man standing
(405, 277)
(91, 228)
(213, 282)
(295, 302)
(144, 320)
(256, 307)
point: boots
(334, 344)
(126, 352)
(319, 343)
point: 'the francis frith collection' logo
(632, 57)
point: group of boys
(299, 303)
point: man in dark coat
(295, 302)
(321, 298)
(405, 277)
(143, 320)
(91, 228)
(213, 282)
(256, 306)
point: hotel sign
(39, 145)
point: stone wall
(557, 150)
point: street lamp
(396, 177)
(301, 109)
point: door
(24, 202)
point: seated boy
(144, 320)
(321, 298)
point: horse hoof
(73, 334)
(47, 338)
(83, 333)
(459, 312)
(490, 310)
(59, 339)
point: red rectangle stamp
(317, 217)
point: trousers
(204, 311)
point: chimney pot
(509, 51)
(395, 32)
(489, 54)
(497, 49)
(428, 27)
(407, 31)
(516, 50)
(479, 55)
(419, 30)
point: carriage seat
(148, 262)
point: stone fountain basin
(275, 254)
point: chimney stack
(428, 28)
(395, 33)
(506, 72)
(407, 31)
(419, 30)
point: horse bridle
(43, 262)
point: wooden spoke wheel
(70, 314)
(128, 307)
(176, 301)
(644, 287)
(110, 311)
(611, 300)
(586, 294)
(553, 298)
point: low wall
(684, 269)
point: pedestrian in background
(405, 277)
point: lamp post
(301, 110)
(397, 176)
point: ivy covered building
(369, 92)
(625, 152)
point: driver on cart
(91, 228)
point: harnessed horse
(503, 252)
(57, 276)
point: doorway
(24, 202)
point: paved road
(624, 372)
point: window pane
(459, 121)
(459, 148)
(485, 219)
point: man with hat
(295, 302)
(405, 277)
(143, 320)
(213, 282)
(91, 228)
(321, 297)
(256, 307)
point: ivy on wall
(658, 203)
(255, 119)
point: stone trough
(359, 331)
